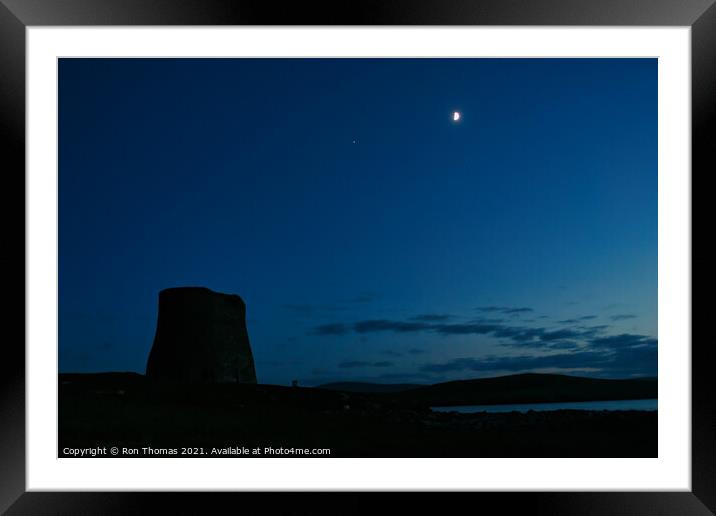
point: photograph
(411, 246)
(357, 257)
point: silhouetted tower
(201, 337)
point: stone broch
(201, 337)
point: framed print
(392, 247)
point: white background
(671, 470)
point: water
(650, 404)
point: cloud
(465, 329)
(416, 351)
(625, 340)
(505, 309)
(513, 311)
(562, 334)
(593, 330)
(635, 361)
(519, 335)
(625, 354)
(622, 317)
(573, 347)
(563, 344)
(578, 319)
(516, 335)
(488, 320)
(431, 317)
(378, 325)
(352, 364)
(331, 329)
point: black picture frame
(17, 15)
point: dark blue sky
(371, 237)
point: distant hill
(519, 388)
(530, 388)
(367, 387)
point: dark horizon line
(403, 383)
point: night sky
(372, 237)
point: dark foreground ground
(100, 412)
